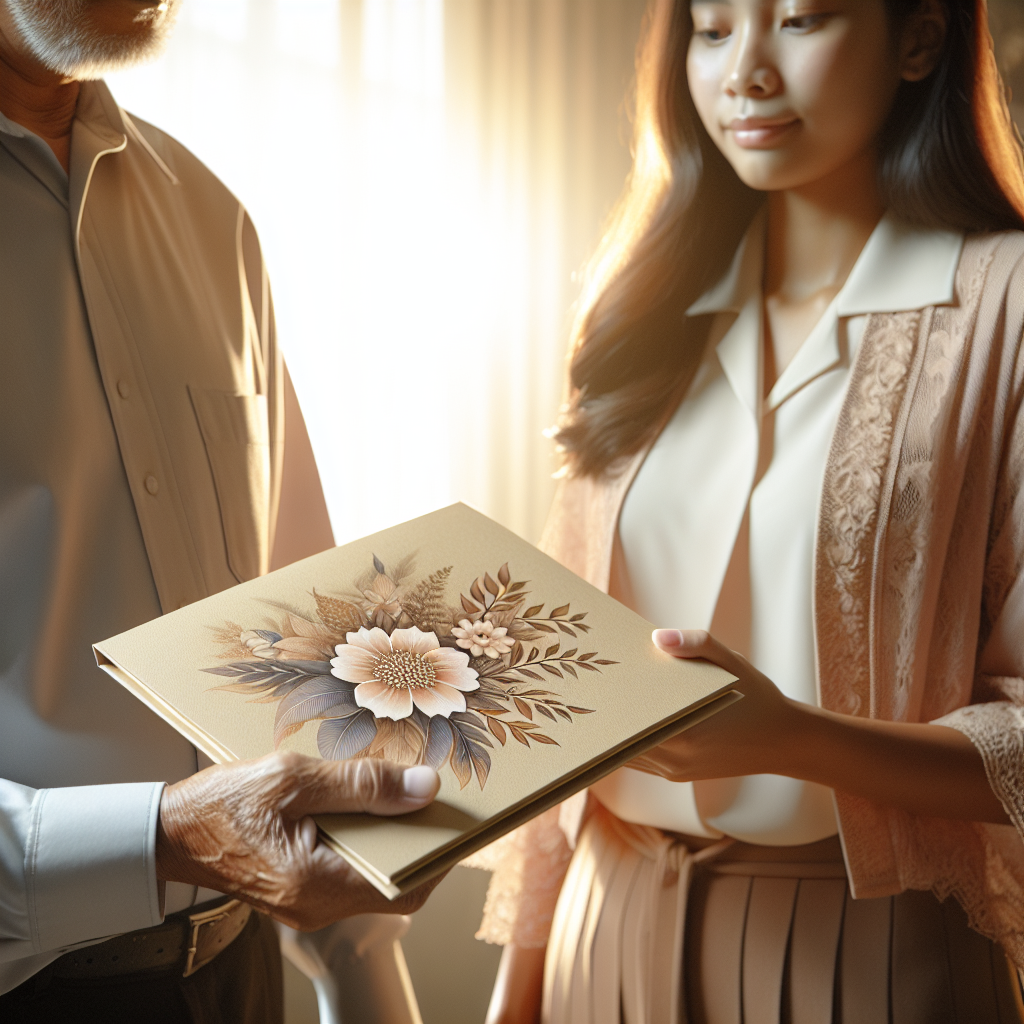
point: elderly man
(152, 452)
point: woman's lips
(761, 132)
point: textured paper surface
(178, 663)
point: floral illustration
(409, 668)
(391, 670)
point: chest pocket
(237, 437)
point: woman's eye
(712, 35)
(804, 22)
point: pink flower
(483, 638)
(408, 668)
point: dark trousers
(241, 986)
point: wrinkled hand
(245, 829)
(747, 738)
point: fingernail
(667, 637)
(307, 832)
(420, 782)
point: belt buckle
(212, 931)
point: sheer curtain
(426, 177)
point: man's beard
(60, 35)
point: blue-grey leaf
(341, 738)
(439, 742)
(311, 699)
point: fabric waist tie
(616, 948)
(616, 945)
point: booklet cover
(446, 640)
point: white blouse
(718, 528)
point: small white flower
(483, 638)
(260, 642)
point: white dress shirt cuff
(90, 865)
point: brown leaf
(400, 741)
(544, 711)
(491, 585)
(587, 657)
(535, 610)
(519, 735)
(301, 648)
(488, 711)
(605, 661)
(337, 615)
(524, 708)
(552, 651)
(460, 759)
(565, 629)
(583, 626)
(580, 711)
(533, 654)
(552, 670)
(541, 738)
(522, 725)
(498, 729)
(564, 714)
(577, 616)
(559, 611)
(531, 674)
(517, 653)
(478, 593)
(587, 666)
(468, 605)
(570, 668)
(503, 575)
(513, 587)
(570, 654)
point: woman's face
(791, 91)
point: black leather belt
(185, 942)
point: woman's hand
(245, 829)
(925, 769)
(743, 739)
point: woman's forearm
(518, 988)
(925, 769)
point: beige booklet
(446, 640)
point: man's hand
(245, 829)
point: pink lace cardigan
(919, 595)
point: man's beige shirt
(141, 447)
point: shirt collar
(97, 109)
(901, 267)
(742, 280)
(99, 113)
(9, 127)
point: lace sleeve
(997, 730)
(529, 865)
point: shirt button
(152, 485)
(122, 388)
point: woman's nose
(752, 73)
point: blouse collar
(901, 267)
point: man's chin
(86, 39)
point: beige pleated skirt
(650, 930)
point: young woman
(796, 430)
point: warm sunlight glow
(408, 170)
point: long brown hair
(949, 157)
